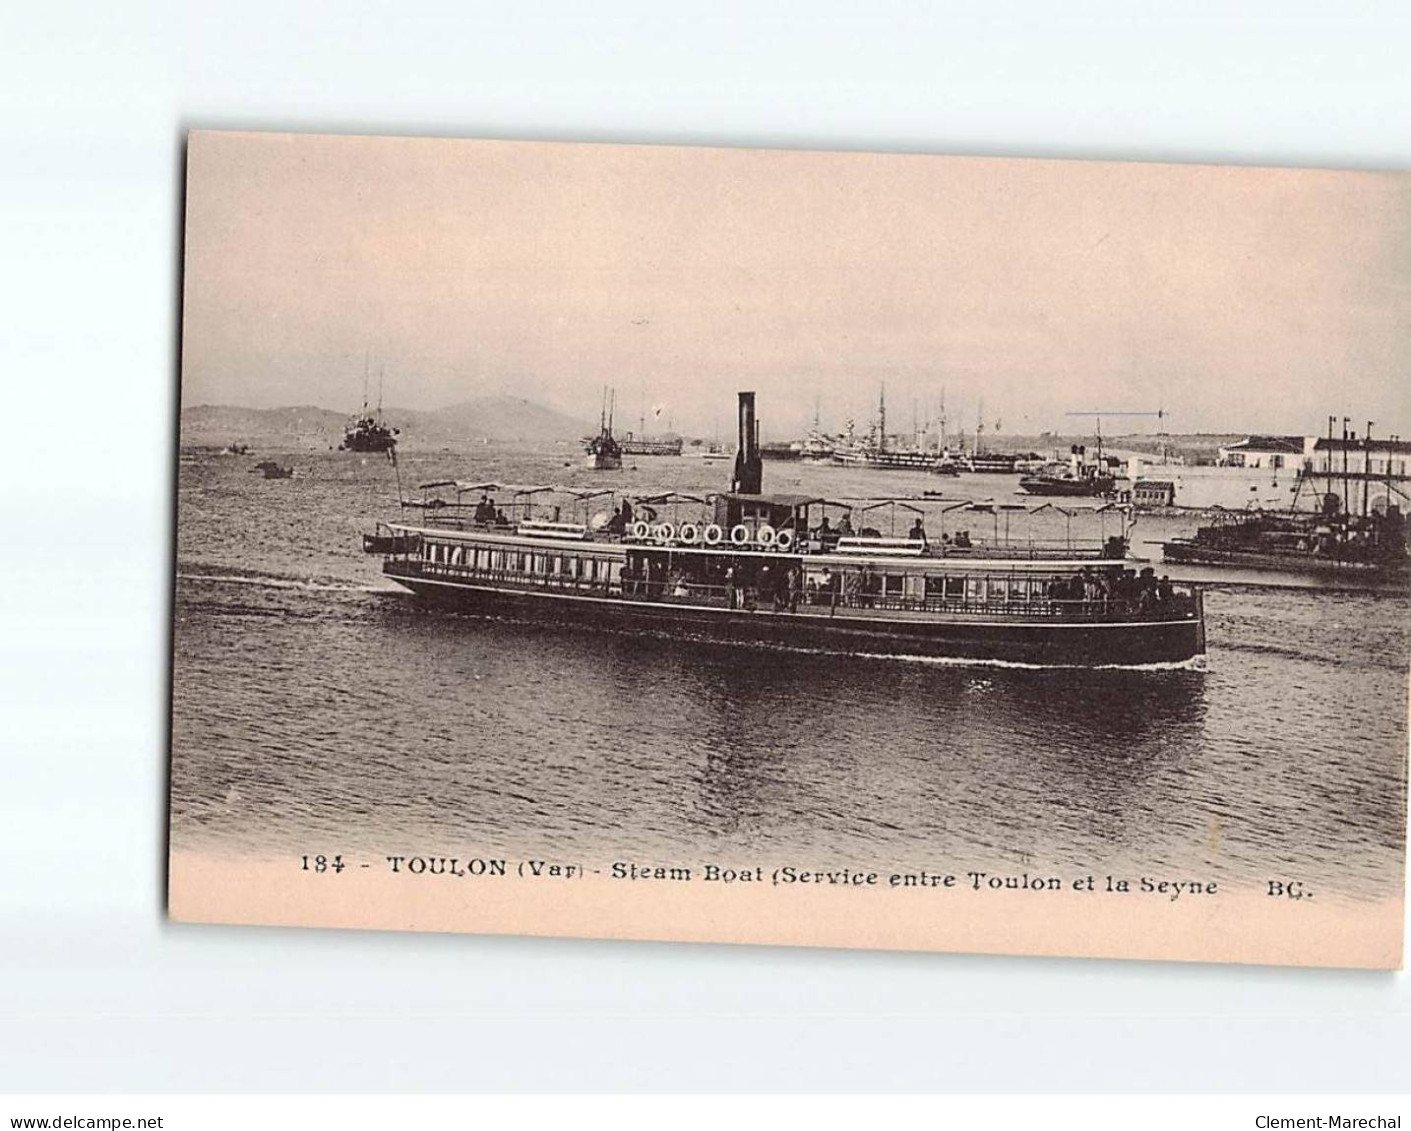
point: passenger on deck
(918, 532)
(962, 539)
(1146, 589)
(845, 527)
(863, 596)
(484, 512)
(1125, 588)
(794, 588)
(825, 531)
(500, 519)
(1165, 591)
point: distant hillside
(498, 418)
(494, 418)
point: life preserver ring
(739, 534)
(641, 531)
(712, 535)
(784, 540)
(689, 533)
(765, 535)
(665, 532)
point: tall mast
(1328, 485)
(1367, 466)
(1346, 495)
(366, 362)
(1392, 441)
(882, 418)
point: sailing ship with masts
(747, 567)
(877, 451)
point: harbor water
(317, 708)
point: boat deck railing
(1029, 603)
(448, 518)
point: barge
(1329, 544)
(771, 569)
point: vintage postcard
(828, 549)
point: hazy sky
(1236, 299)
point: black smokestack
(748, 471)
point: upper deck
(923, 532)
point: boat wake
(308, 585)
(1194, 664)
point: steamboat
(604, 453)
(370, 432)
(1078, 478)
(772, 570)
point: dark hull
(1186, 553)
(1066, 488)
(864, 632)
(356, 443)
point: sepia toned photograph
(834, 549)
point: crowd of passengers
(779, 587)
(784, 588)
(1125, 591)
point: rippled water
(317, 708)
